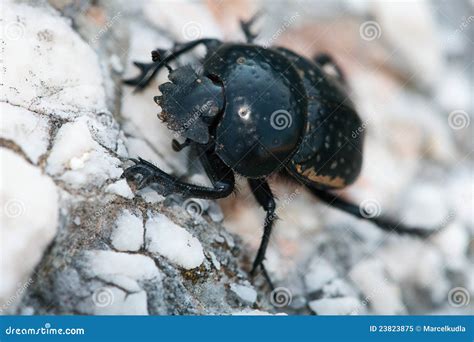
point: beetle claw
(140, 65)
(129, 173)
(144, 169)
(146, 73)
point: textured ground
(75, 238)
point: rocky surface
(77, 239)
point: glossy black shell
(265, 112)
(330, 155)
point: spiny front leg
(166, 184)
(144, 174)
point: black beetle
(258, 111)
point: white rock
(27, 311)
(455, 90)
(28, 130)
(77, 163)
(117, 302)
(427, 272)
(215, 212)
(173, 242)
(246, 293)
(334, 306)
(124, 282)
(460, 192)
(151, 196)
(120, 188)
(250, 312)
(79, 158)
(320, 272)
(135, 266)
(425, 206)
(453, 241)
(338, 288)
(410, 29)
(56, 73)
(200, 179)
(430, 274)
(28, 220)
(73, 144)
(116, 63)
(128, 232)
(228, 239)
(378, 291)
(214, 260)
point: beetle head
(189, 103)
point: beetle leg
(177, 146)
(246, 26)
(220, 175)
(324, 59)
(161, 58)
(166, 184)
(267, 276)
(385, 223)
(264, 197)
